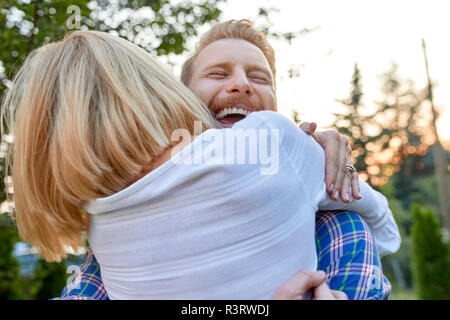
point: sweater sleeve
(307, 158)
(374, 208)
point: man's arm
(374, 209)
(346, 251)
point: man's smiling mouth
(229, 115)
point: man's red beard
(230, 110)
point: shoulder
(271, 120)
(294, 140)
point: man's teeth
(233, 110)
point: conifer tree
(430, 256)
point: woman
(93, 144)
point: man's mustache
(218, 103)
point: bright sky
(371, 33)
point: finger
(332, 161)
(342, 163)
(323, 292)
(346, 183)
(308, 127)
(305, 280)
(345, 191)
(339, 295)
(296, 287)
(356, 191)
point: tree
(402, 123)
(431, 256)
(399, 128)
(158, 26)
(49, 279)
(395, 156)
(352, 123)
(439, 154)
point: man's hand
(303, 282)
(338, 178)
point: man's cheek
(268, 98)
(271, 105)
(203, 92)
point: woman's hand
(340, 181)
(305, 282)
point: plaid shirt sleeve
(88, 285)
(347, 253)
(345, 250)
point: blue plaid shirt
(345, 248)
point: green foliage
(400, 277)
(49, 279)
(401, 215)
(399, 293)
(9, 270)
(27, 26)
(401, 191)
(431, 256)
(166, 26)
(158, 26)
(2, 180)
(424, 191)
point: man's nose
(240, 85)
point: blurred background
(376, 71)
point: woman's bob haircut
(87, 114)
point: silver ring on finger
(350, 168)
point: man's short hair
(232, 29)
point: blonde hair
(232, 29)
(87, 114)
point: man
(233, 72)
